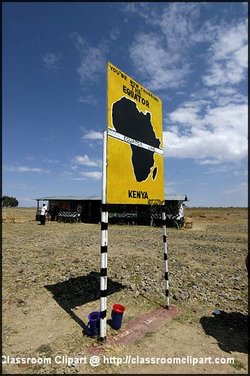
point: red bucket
(116, 315)
(118, 308)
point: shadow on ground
(78, 291)
(229, 329)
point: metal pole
(104, 247)
(164, 227)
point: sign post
(133, 168)
(104, 246)
(165, 245)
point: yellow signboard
(135, 173)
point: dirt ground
(50, 283)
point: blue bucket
(117, 315)
(93, 326)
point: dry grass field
(50, 283)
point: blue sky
(194, 56)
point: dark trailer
(71, 209)
(88, 210)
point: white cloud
(147, 11)
(88, 99)
(209, 162)
(92, 64)
(212, 127)
(228, 56)
(179, 23)
(174, 19)
(114, 34)
(220, 95)
(93, 135)
(219, 170)
(156, 65)
(185, 115)
(84, 160)
(230, 118)
(240, 172)
(92, 59)
(96, 175)
(162, 58)
(237, 189)
(230, 40)
(218, 133)
(24, 169)
(51, 60)
(52, 161)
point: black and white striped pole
(104, 247)
(165, 245)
